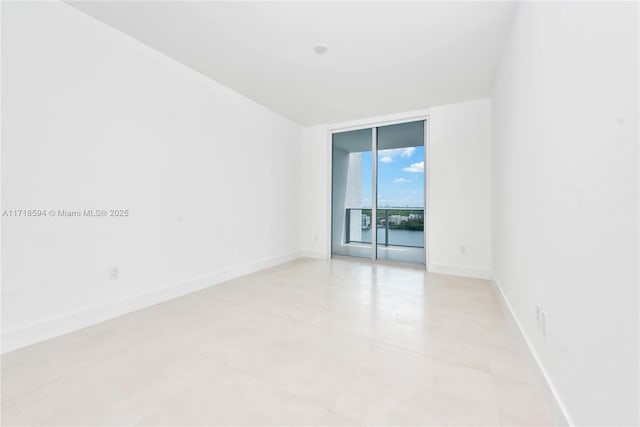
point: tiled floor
(310, 342)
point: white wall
(315, 203)
(93, 119)
(460, 189)
(565, 199)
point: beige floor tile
(520, 404)
(227, 397)
(305, 360)
(318, 370)
(117, 391)
(39, 364)
(439, 338)
(248, 339)
(10, 416)
(393, 386)
(28, 368)
(511, 364)
(503, 337)
(355, 315)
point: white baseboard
(314, 254)
(559, 412)
(460, 271)
(50, 328)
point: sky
(400, 178)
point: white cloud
(415, 168)
(386, 159)
(400, 180)
(407, 152)
(392, 152)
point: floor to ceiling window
(378, 192)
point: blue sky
(400, 177)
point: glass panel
(351, 188)
(400, 217)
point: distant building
(397, 219)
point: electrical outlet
(114, 273)
(538, 312)
(543, 323)
(463, 249)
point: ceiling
(383, 57)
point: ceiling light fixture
(320, 48)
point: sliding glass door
(352, 180)
(378, 192)
(400, 187)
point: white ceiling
(383, 57)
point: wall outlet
(543, 323)
(463, 249)
(538, 314)
(114, 273)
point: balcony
(396, 227)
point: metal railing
(389, 219)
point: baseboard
(50, 328)
(559, 412)
(314, 254)
(460, 271)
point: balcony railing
(394, 226)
